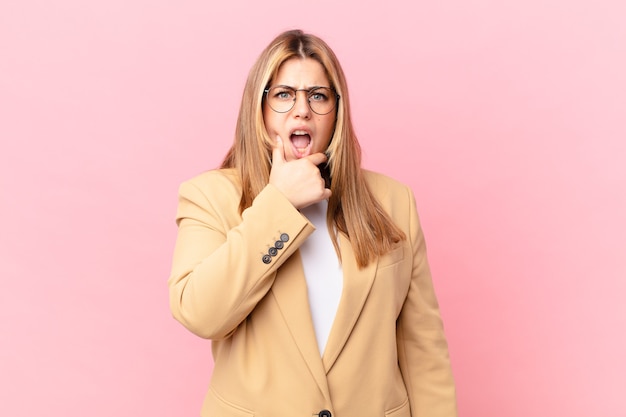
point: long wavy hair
(352, 209)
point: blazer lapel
(290, 292)
(356, 287)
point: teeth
(300, 132)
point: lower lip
(300, 154)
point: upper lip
(304, 129)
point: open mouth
(301, 142)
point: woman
(308, 273)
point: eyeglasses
(282, 98)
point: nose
(301, 106)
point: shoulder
(219, 189)
(213, 178)
(214, 183)
(396, 198)
(385, 187)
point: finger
(317, 158)
(278, 151)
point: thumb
(278, 152)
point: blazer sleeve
(422, 347)
(218, 272)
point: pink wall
(506, 118)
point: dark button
(279, 244)
(267, 259)
(325, 413)
(272, 251)
(285, 237)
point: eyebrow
(301, 89)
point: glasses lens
(322, 100)
(281, 99)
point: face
(302, 131)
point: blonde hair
(352, 208)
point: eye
(319, 94)
(282, 93)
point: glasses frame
(308, 98)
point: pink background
(506, 117)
